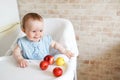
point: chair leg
(75, 75)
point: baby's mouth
(36, 37)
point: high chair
(60, 29)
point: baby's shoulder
(22, 39)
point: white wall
(8, 12)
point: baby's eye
(41, 30)
(33, 31)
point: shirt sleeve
(19, 43)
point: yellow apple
(60, 61)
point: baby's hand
(23, 63)
(69, 54)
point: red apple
(49, 59)
(44, 65)
(57, 71)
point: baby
(35, 45)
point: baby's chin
(36, 40)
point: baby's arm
(60, 48)
(17, 54)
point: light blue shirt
(34, 50)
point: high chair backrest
(63, 32)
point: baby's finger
(23, 64)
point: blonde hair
(33, 16)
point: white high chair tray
(10, 71)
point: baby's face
(34, 30)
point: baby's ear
(23, 30)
